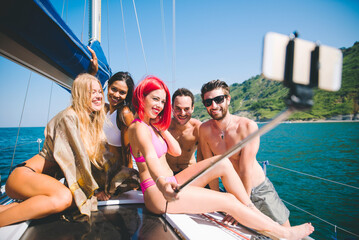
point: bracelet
(159, 178)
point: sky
(208, 39)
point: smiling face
(217, 110)
(154, 104)
(117, 93)
(96, 96)
(182, 109)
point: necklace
(222, 131)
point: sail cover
(34, 35)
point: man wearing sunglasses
(184, 129)
(225, 130)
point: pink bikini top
(160, 147)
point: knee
(230, 201)
(226, 164)
(62, 200)
(12, 186)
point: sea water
(326, 150)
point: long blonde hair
(91, 122)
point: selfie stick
(299, 98)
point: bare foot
(292, 233)
(300, 231)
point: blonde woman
(150, 141)
(73, 142)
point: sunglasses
(218, 100)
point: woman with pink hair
(150, 141)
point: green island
(261, 100)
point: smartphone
(274, 54)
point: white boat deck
(127, 218)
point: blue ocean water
(326, 150)
(27, 146)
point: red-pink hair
(147, 85)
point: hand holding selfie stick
(300, 97)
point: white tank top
(113, 134)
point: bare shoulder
(196, 125)
(126, 115)
(245, 124)
(195, 122)
(137, 127)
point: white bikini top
(112, 132)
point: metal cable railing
(39, 140)
(321, 219)
(266, 163)
(313, 176)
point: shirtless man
(184, 129)
(225, 130)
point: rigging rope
(124, 35)
(1, 149)
(63, 7)
(335, 226)
(306, 174)
(67, 10)
(48, 109)
(18, 130)
(320, 218)
(108, 35)
(139, 32)
(83, 22)
(164, 35)
(174, 44)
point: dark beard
(224, 114)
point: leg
(42, 195)
(229, 176)
(286, 224)
(223, 169)
(199, 200)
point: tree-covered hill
(261, 99)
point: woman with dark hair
(150, 141)
(119, 112)
(119, 115)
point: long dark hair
(126, 77)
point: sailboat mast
(95, 20)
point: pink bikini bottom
(149, 182)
